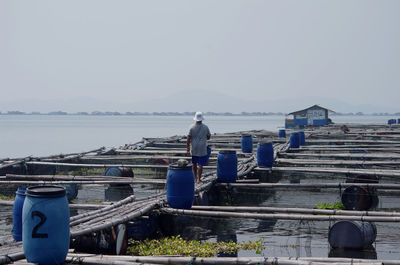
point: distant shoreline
(109, 113)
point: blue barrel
(227, 166)
(294, 140)
(302, 138)
(398, 121)
(45, 225)
(208, 153)
(352, 234)
(282, 133)
(265, 154)
(113, 171)
(17, 213)
(180, 186)
(247, 143)
(72, 190)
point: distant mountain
(189, 101)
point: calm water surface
(40, 135)
(45, 135)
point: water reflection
(118, 192)
(237, 196)
(365, 253)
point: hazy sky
(121, 51)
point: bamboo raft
(328, 152)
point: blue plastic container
(302, 138)
(398, 121)
(180, 186)
(265, 154)
(294, 140)
(45, 225)
(208, 153)
(113, 171)
(227, 166)
(71, 190)
(282, 133)
(17, 213)
(247, 143)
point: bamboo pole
(92, 259)
(104, 165)
(61, 177)
(114, 221)
(82, 182)
(341, 171)
(292, 210)
(301, 217)
(366, 156)
(309, 185)
(71, 205)
(336, 162)
(108, 208)
(12, 163)
(123, 260)
(70, 179)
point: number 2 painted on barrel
(43, 218)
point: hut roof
(305, 110)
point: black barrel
(352, 234)
(357, 198)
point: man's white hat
(198, 116)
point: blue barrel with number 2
(45, 222)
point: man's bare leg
(195, 171)
(199, 172)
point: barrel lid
(181, 164)
(46, 191)
(227, 151)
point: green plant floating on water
(178, 246)
(333, 206)
(6, 198)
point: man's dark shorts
(200, 160)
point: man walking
(197, 139)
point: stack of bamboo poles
(131, 207)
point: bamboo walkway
(328, 152)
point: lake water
(42, 135)
(45, 135)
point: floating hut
(312, 116)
